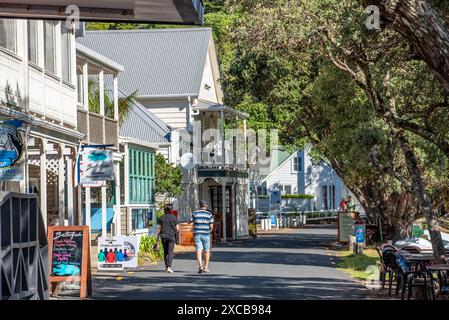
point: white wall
(209, 93)
(310, 181)
(285, 176)
(172, 111)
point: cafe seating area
(410, 267)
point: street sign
(97, 165)
(360, 233)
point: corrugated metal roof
(157, 62)
(142, 125)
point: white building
(38, 85)
(296, 173)
(175, 73)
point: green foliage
(357, 265)
(168, 178)
(147, 244)
(124, 103)
(252, 229)
(159, 214)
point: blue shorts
(202, 241)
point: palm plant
(124, 103)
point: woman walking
(167, 232)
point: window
(297, 164)
(288, 189)
(141, 177)
(66, 53)
(80, 86)
(141, 218)
(8, 34)
(332, 197)
(49, 46)
(32, 41)
(281, 189)
(325, 198)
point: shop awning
(189, 12)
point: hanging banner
(11, 149)
(96, 166)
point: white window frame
(13, 50)
(63, 31)
(298, 161)
(36, 39)
(55, 62)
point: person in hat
(203, 223)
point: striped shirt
(202, 220)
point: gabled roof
(158, 62)
(284, 157)
(141, 125)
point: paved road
(286, 265)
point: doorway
(216, 194)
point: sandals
(200, 270)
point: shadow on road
(213, 287)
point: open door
(216, 194)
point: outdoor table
(421, 260)
(438, 267)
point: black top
(168, 224)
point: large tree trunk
(423, 198)
(393, 213)
(421, 25)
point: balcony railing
(97, 128)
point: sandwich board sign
(117, 253)
(69, 257)
(345, 226)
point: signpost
(69, 257)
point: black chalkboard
(67, 253)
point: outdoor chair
(407, 280)
(389, 264)
(443, 284)
(384, 269)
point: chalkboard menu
(345, 226)
(67, 254)
(69, 257)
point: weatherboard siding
(172, 111)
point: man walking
(203, 223)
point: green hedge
(297, 196)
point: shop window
(141, 218)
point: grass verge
(357, 265)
